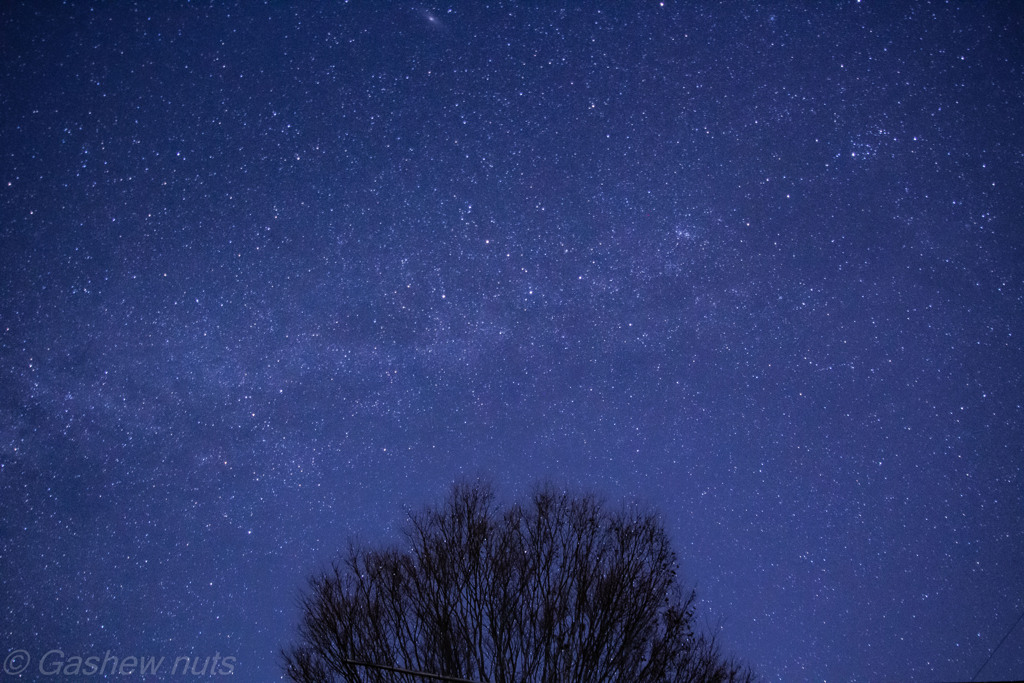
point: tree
(560, 590)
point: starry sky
(273, 274)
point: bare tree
(559, 590)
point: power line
(408, 672)
(975, 676)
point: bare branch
(557, 590)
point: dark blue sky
(272, 274)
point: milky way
(273, 275)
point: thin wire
(408, 672)
(975, 676)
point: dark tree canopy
(558, 590)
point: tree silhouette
(560, 590)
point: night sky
(271, 275)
